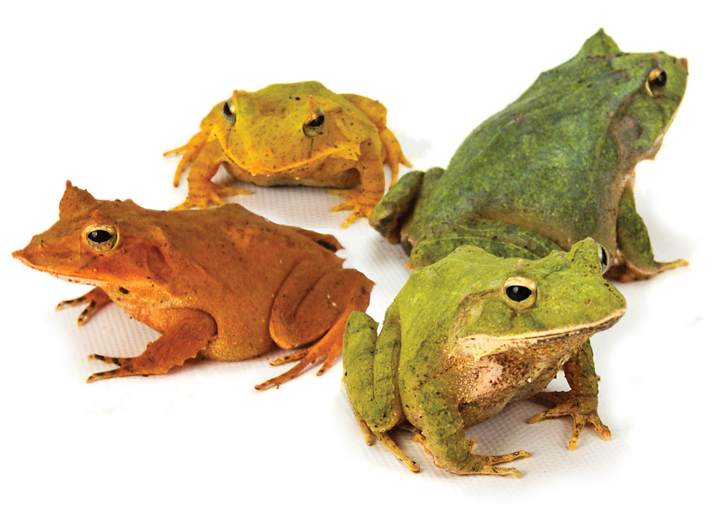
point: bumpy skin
(552, 168)
(455, 348)
(221, 283)
(293, 134)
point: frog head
(97, 241)
(287, 126)
(530, 302)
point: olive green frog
(472, 332)
(554, 167)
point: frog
(221, 283)
(471, 333)
(293, 134)
(554, 167)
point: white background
(95, 93)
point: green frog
(554, 167)
(472, 332)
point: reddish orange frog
(293, 134)
(222, 283)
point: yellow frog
(293, 134)
(223, 283)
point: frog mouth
(481, 345)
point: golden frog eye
(655, 84)
(604, 258)
(520, 292)
(229, 112)
(101, 237)
(315, 123)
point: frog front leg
(362, 201)
(636, 260)
(205, 155)
(444, 430)
(391, 152)
(305, 311)
(189, 334)
(95, 300)
(581, 402)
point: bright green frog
(552, 168)
(471, 333)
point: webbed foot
(359, 202)
(582, 409)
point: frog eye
(101, 237)
(655, 84)
(604, 258)
(520, 292)
(315, 123)
(229, 112)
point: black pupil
(316, 122)
(604, 258)
(660, 80)
(518, 293)
(99, 236)
(226, 109)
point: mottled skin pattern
(459, 343)
(222, 283)
(552, 168)
(293, 134)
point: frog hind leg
(581, 402)
(96, 300)
(304, 312)
(202, 191)
(635, 259)
(183, 340)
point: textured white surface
(96, 93)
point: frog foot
(205, 194)
(582, 409)
(359, 202)
(484, 465)
(327, 348)
(626, 272)
(95, 301)
(393, 154)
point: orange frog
(222, 283)
(293, 134)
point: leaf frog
(472, 332)
(293, 134)
(552, 168)
(222, 283)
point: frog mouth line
(549, 335)
(264, 170)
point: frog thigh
(371, 370)
(635, 254)
(189, 334)
(303, 311)
(309, 302)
